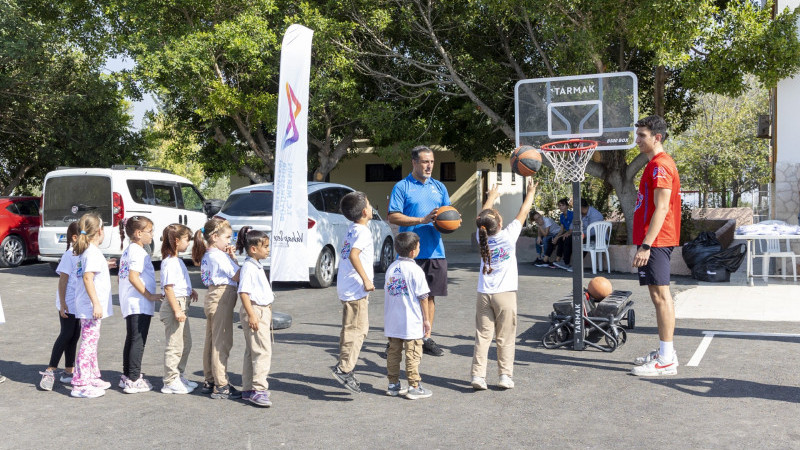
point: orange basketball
(599, 288)
(526, 160)
(447, 219)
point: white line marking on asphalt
(709, 335)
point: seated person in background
(563, 240)
(547, 230)
(589, 215)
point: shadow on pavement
(730, 388)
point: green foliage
(720, 152)
(56, 106)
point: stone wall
(786, 198)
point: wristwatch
(645, 246)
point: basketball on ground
(526, 160)
(599, 288)
(447, 219)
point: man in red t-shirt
(656, 230)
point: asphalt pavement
(742, 394)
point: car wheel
(323, 273)
(387, 255)
(12, 251)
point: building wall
(786, 194)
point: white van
(116, 193)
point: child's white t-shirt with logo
(68, 265)
(131, 301)
(503, 253)
(92, 260)
(349, 284)
(405, 287)
(173, 272)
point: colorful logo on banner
(292, 135)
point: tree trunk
(255, 177)
(658, 94)
(329, 157)
(12, 184)
(735, 199)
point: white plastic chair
(598, 236)
(771, 248)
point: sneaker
(207, 388)
(123, 381)
(506, 382)
(175, 387)
(225, 392)
(396, 390)
(100, 384)
(418, 392)
(561, 265)
(541, 263)
(429, 347)
(347, 379)
(568, 269)
(2, 378)
(136, 387)
(65, 377)
(188, 383)
(87, 392)
(657, 367)
(479, 383)
(261, 398)
(247, 394)
(551, 266)
(538, 262)
(48, 379)
(651, 356)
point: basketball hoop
(569, 158)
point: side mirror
(212, 206)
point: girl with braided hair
(496, 309)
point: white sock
(665, 349)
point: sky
(139, 108)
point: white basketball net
(569, 158)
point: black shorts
(656, 271)
(435, 274)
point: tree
(720, 152)
(56, 106)
(471, 55)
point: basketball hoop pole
(577, 268)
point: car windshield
(246, 204)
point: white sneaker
(123, 380)
(506, 382)
(186, 382)
(651, 356)
(65, 377)
(657, 367)
(87, 392)
(479, 383)
(561, 265)
(136, 387)
(175, 387)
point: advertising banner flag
(289, 259)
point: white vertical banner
(289, 260)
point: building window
(447, 171)
(499, 174)
(383, 172)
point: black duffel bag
(719, 266)
(703, 246)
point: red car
(19, 229)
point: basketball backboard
(602, 107)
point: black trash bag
(719, 266)
(703, 246)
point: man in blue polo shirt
(412, 207)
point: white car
(252, 205)
(116, 193)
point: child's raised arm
(525, 209)
(491, 197)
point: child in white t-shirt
(405, 324)
(92, 303)
(67, 342)
(219, 272)
(255, 315)
(174, 311)
(353, 283)
(496, 310)
(137, 296)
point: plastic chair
(598, 236)
(771, 248)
